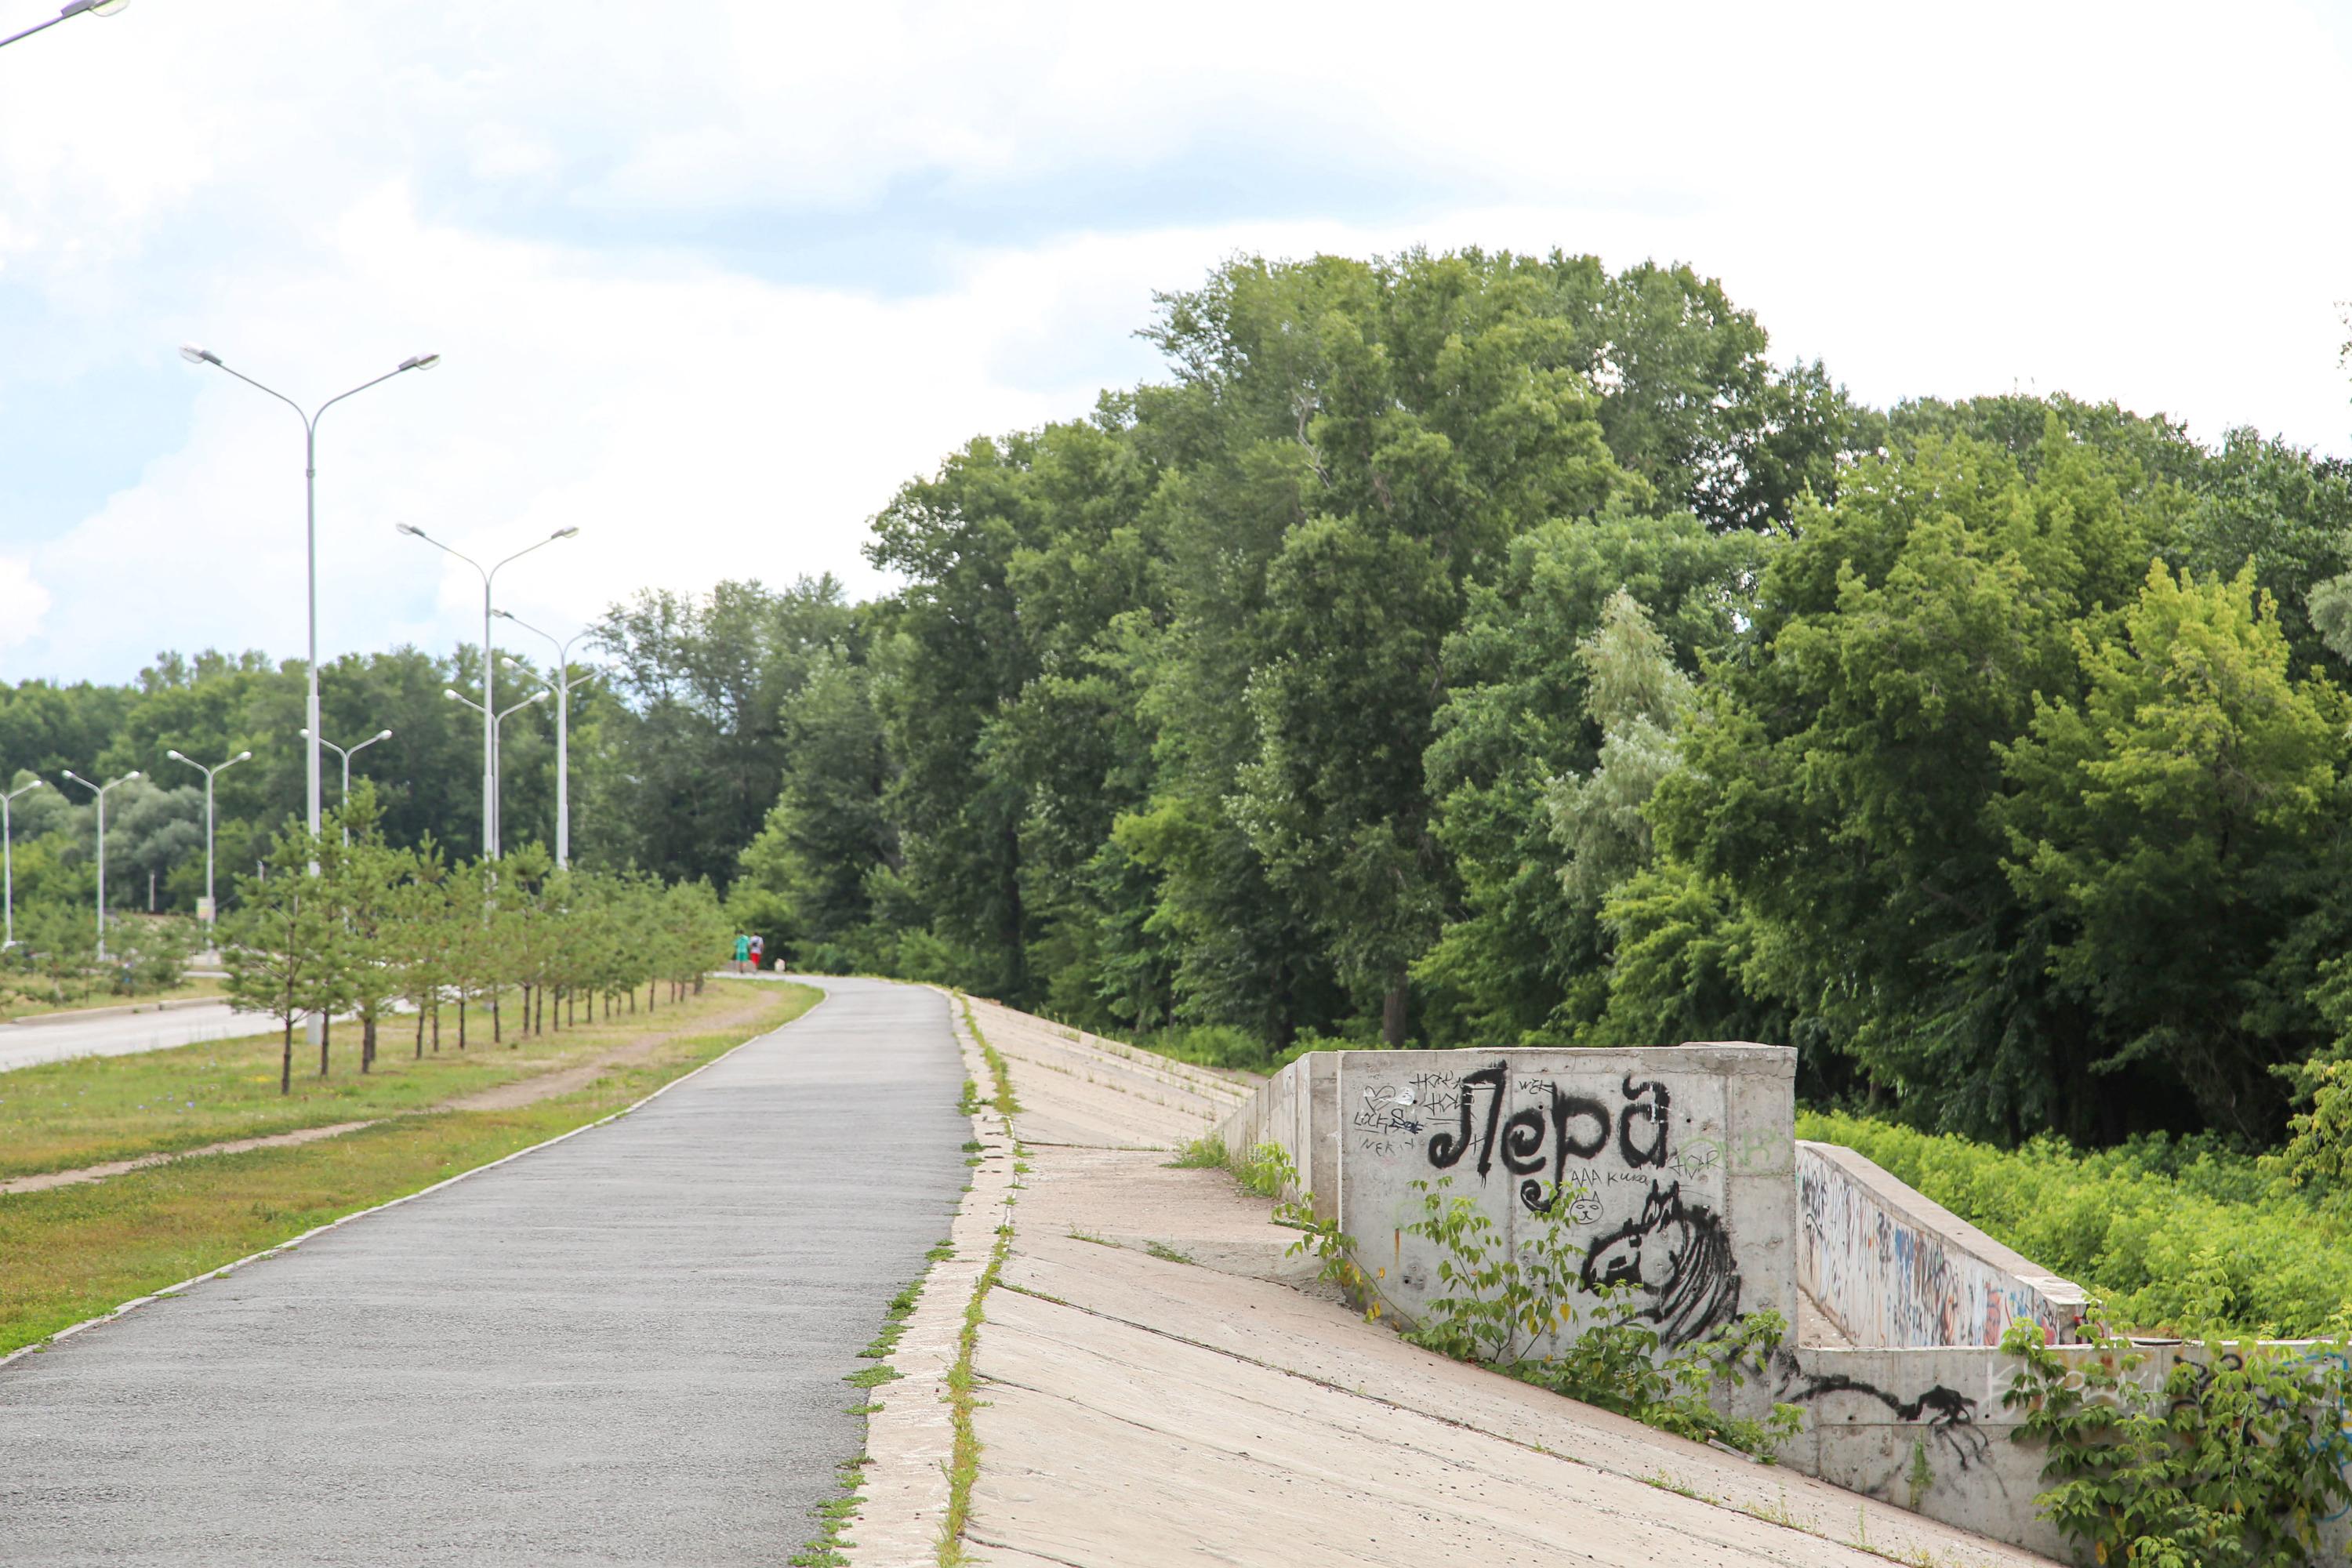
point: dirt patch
(48, 1179)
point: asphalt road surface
(624, 1348)
(124, 1034)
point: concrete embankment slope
(1158, 1383)
(624, 1347)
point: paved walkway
(627, 1348)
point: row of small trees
(382, 932)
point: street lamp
(489, 696)
(209, 912)
(563, 730)
(491, 722)
(195, 354)
(9, 869)
(345, 753)
(72, 8)
(100, 790)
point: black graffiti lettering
(1523, 1141)
(1568, 1109)
(1447, 1149)
(1653, 1111)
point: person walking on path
(742, 951)
(759, 952)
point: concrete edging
(186, 1285)
(910, 1439)
(120, 1010)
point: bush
(2235, 1458)
(2181, 1237)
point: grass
(24, 1005)
(63, 1115)
(1002, 1099)
(72, 1253)
(824, 1549)
(964, 1460)
(964, 1456)
(1206, 1153)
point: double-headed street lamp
(100, 790)
(345, 753)
(491, 721)
(489, 695)
(7, 870)
(561, 686)
(209, 912)
(196, 355)
(72, 8)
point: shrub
(2179, 1237)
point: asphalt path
(123, 1034)
(626, 1348)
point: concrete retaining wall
(1891, 1269)
(1670, 1165)
(1678, 1172)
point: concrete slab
(1226, 1410)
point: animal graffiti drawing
(1679, 1256)
(1950, 1415)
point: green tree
(2176, 821)
(283, 948)
(1842, 771)
(1519, 958)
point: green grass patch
(1165, 1253)
(34, 1005)
(60, 1116)
(964, 1458)
(833, 1517)
(2179, 1237)
(75, 1252)
(1002, 1099)
(1201, 1154)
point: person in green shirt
(742, 952)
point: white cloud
(23, 602)
(2126, 201)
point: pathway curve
(624, 1348)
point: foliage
(2234, 1457)
(1455, 648)
(1518, 1305)
(2178, 1236)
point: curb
(189, 1284)
(76, 1014)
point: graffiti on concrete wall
(1620, 1159)
(1679, 1258)
(1950, 1416)
(1890, 1282)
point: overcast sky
(712, 281)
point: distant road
(123, 1034)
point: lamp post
(209, 911)
(489, 696)
(562, 687)
(345, 753)
(7, 867)
(195, 354)
(100, 790)
(491, 721)
(72, 8)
